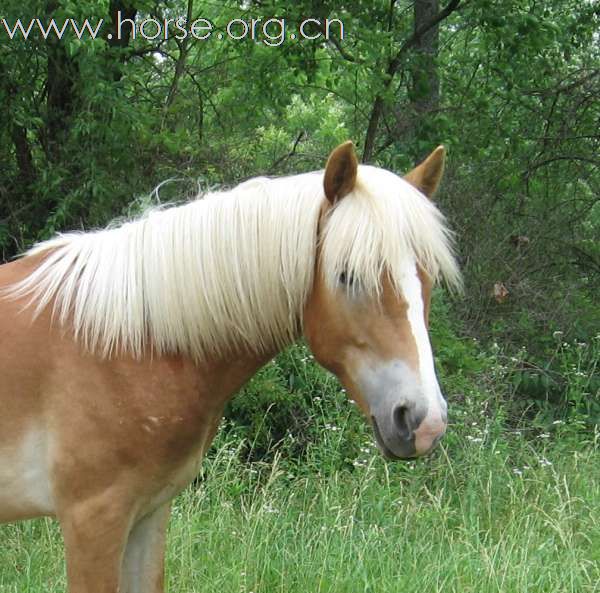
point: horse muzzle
(405, 432)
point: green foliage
(565, 385)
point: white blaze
(412, 292)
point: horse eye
(346, 279)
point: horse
(120, 347)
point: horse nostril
(402, 421)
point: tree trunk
(18, 133)
(60, 99)
(424, 39)
(127, 12)
(424, 92)
(23, 155)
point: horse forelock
(378, 227)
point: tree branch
(416, 36)
(290, 154)
(393, 65)
(551, 160)
(180, 64)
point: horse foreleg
(143, 564)
(95, 533)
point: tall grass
(498, 515)
(479, 524)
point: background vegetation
(296, 498)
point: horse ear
(340, 172)
(426, 177)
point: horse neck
(223, 376)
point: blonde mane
(233, 269)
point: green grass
(496, 514)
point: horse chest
(179, 460)
(178, 479)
